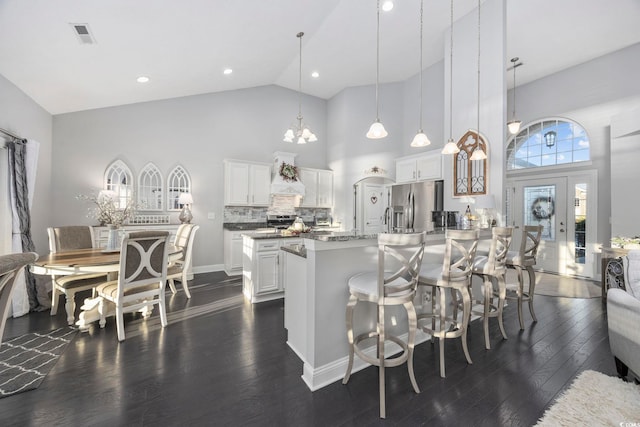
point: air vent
(83, 33)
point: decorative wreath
(543, 208)
(288, 172)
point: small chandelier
(478, 153)
(514, 124)
(550, 138)
(299, 131)
(377, 130)
(451, 147)
(421, 139)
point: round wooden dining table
(82, 261)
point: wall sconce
(185, 199)
(550, 138)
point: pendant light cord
(451, 76)
(377, 62)
(299, 35)
(514, 87)
(421, 23)
(478, 130)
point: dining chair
(141, 279)
(393, 284)
(69, 238)
(453, 274)
(180, 269)
(492, 268)
(521, 260)
(10, 266)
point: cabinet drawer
(268, 245)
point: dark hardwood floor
(223, 361)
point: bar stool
(454, 274)
(394, 283)
(490, 268)
(524, 259)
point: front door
(560, 204)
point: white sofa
(623, 318)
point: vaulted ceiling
(184, 46)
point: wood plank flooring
(224, 362)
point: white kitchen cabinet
(318, 188)
(262, 276)
(421, 167)
(233, 252)
(246, 184)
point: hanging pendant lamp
(514, 124)
(450, 147)
(377, 130)
(299, 131)
(478, 153)
(421, 139)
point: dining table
(83, 261)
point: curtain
(23, 159)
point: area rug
(554, 285)
(595, 399)
(27, 359)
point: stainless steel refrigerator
(412, 205)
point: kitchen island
(315, 277)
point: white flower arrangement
(625, 242)
(105, 209)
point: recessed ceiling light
(142, 79)
(315, 74)
(227, 71)
(387, 5)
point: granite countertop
(271, 234)
(239, 226)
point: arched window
(119, 179)
(469, 174)
(548, 142)
(150, 193)
(178, 182)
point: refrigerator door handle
(411, 213)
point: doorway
(371, 199)
(566, 206)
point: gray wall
(590, 94)
(197, 132)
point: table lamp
(185, 199)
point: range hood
(280, 185)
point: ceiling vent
(83, 33)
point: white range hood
(281, 186)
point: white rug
(595, 399)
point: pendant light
(300, 131)
(478, 153)
(421, 139)
(377, 130)
(514, 124)
(450, 147)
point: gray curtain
(18, 175)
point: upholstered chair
(453, 275)
(141, 279)
(69, 238)
(179, 270)
(393, 284)
(10, 266)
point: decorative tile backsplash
(233, 214)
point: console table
(612, 270)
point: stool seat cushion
(430, 273)
(480, 264)
(367, 284)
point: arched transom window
(548, 142)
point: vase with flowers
(106, 211)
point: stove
(280, 222)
